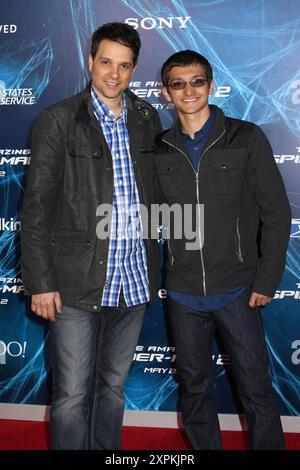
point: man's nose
(188, 89)
(115, 71)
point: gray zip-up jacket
(239, 191)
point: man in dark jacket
(89, 152)
(224, 169)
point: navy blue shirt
(195, 146)
(207, 303)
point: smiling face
(111, 71)
(190, 100)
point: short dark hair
(184, 59)
(119, 32)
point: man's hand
(46, 305)
(258, 300)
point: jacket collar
(138, 112)
(134, 103)
(85, 111)
(173, 135)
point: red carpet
(31, 435)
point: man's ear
(211, 88)
(166, 94)
(90, 63)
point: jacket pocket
(84, 150)
(167, 169)
(73, 265)
(150, 150)
(71, 238)
(170, 254)
(84, 167)
(226, 167)
(238, 241)
(169, 173)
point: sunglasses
(180, 84)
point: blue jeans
(91, 356)
(241, 330)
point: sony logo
(158, 22)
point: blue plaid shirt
(127, 259)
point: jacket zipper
(239, 240)
(198, 198)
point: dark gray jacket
(240, 187)
(70, 175)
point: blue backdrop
(254, 48)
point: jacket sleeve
(47, 146)
(275, 214)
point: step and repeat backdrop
(254, 48)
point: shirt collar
(205, 130)
(102, 111)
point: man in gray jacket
(225, 170)
(89, 152)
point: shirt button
(95, 307)
(101, 261)
(120, 182)
(117, 155)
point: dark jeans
(91, 356)
(241, 330)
